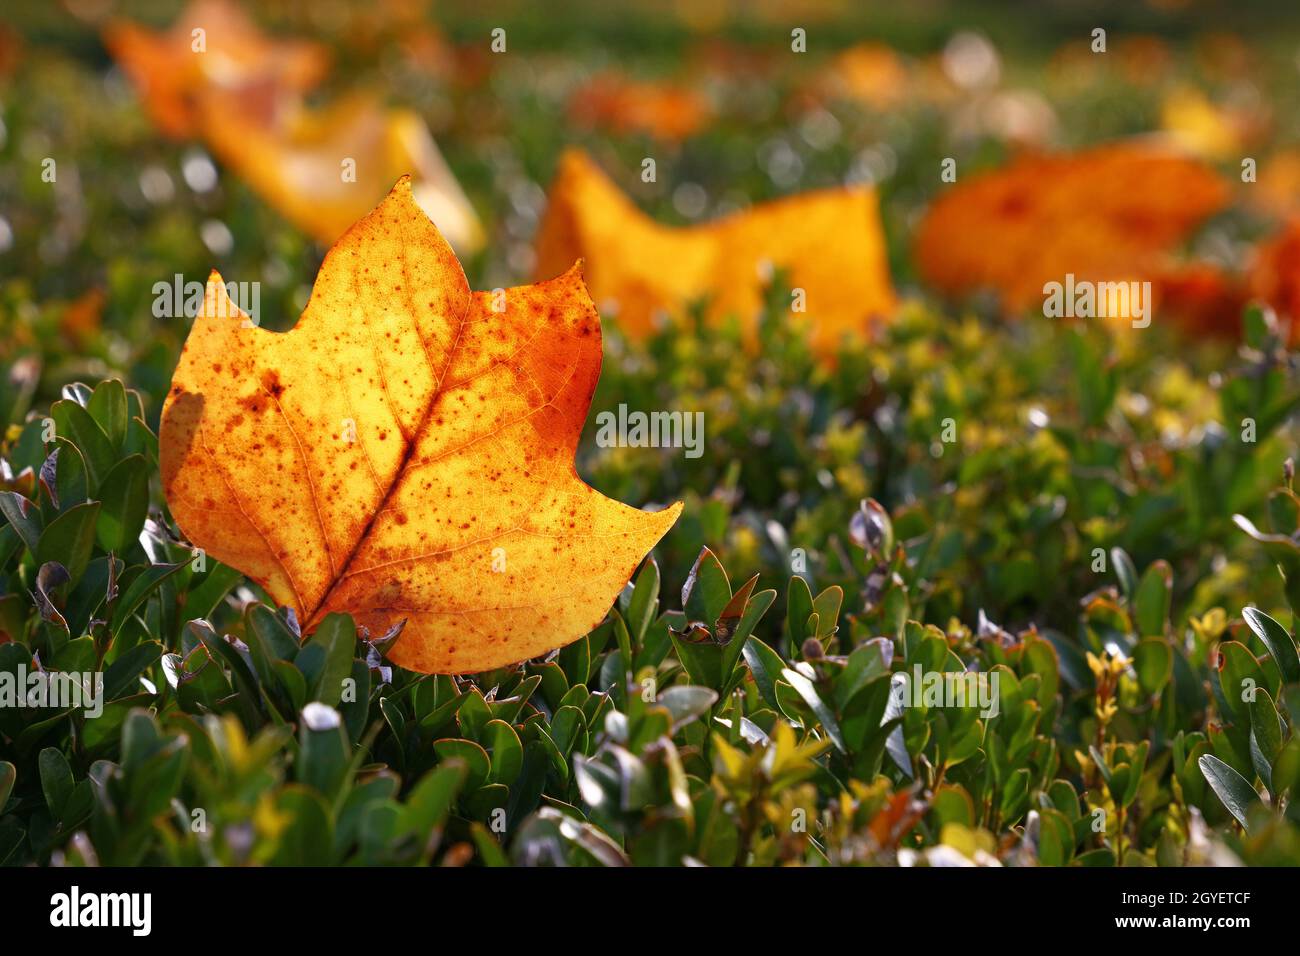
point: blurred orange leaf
(1276, 193)
(322, 169)
(213, 45)
(1114, 212)
(1274, 275)
(405, 453)
(11, 50)
(868, 73)
(1204, 298)
(647, 271)
(663, 110)
(81, 318)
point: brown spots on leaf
(271, 383)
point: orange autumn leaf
(173, 68)
(11, 50)
(325, 169)
(869, 73)
(1114, 212)
(1274, 274)
(1142, 60)
(892, 822)
(81, 319)
(1205, 298)
(830, 242)
(663, 110)
(1276, 191)
(406, 452)
(322, 169)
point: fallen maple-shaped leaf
(173, 69)
(406, 452)
(1114, 212)
(830, 242)
(325, 169)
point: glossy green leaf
(124, 497)
(1234, 790)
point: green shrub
(1135, 723)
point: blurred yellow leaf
(1205, 128)
(830, 242)
(325, 169)
(405, 453)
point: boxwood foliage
(1071, 517)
